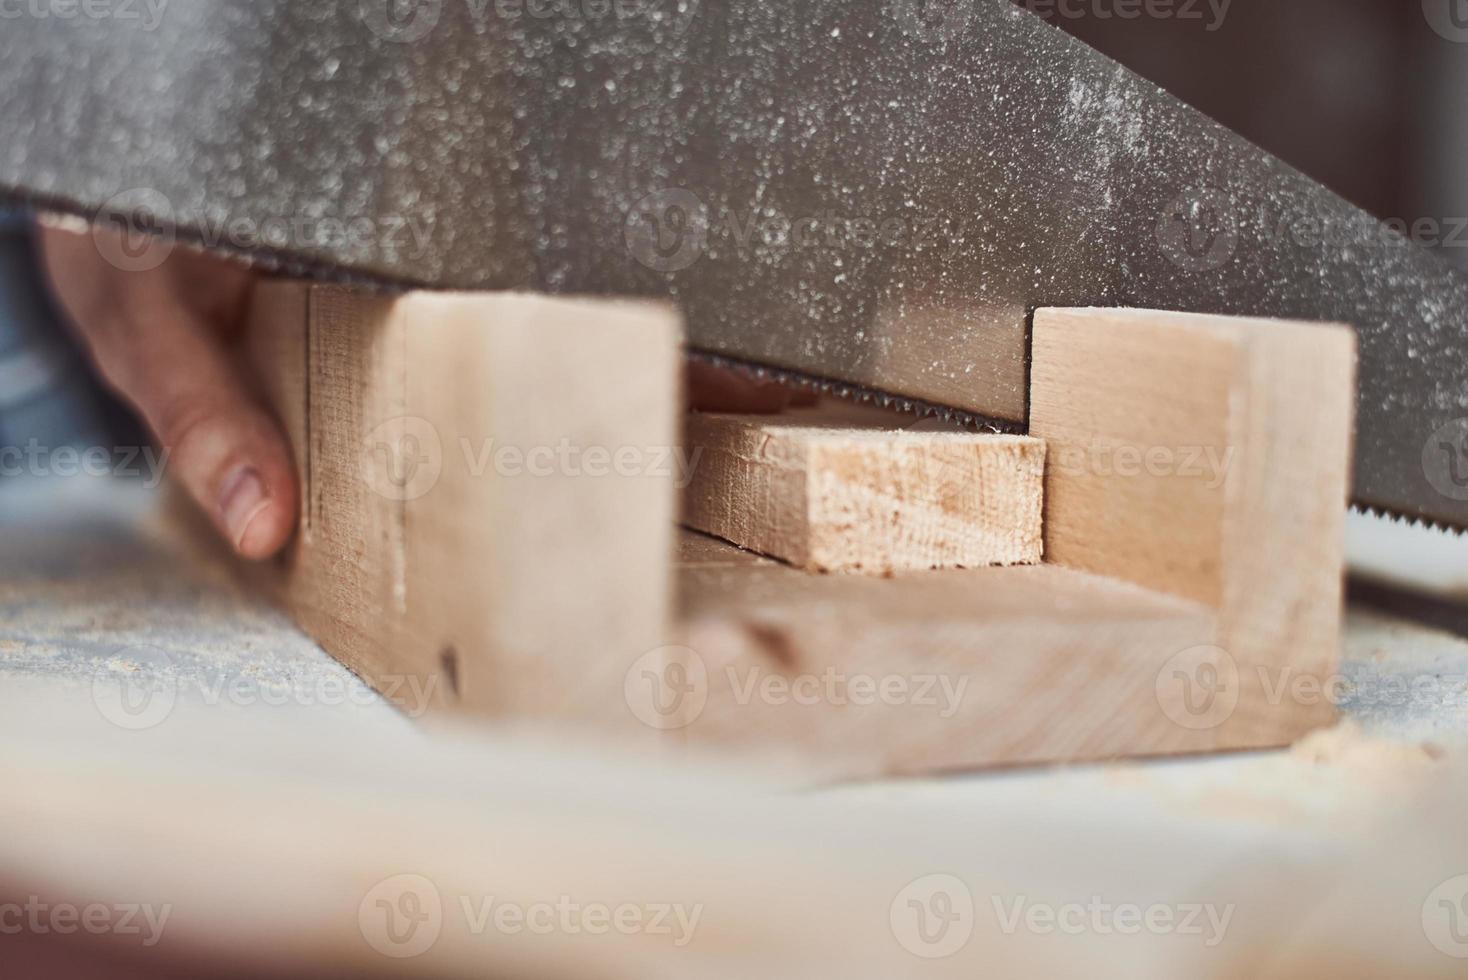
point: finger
(165, 358)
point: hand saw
(874, 196)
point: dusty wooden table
(96, 587)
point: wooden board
(314, 834)
(472, 468)
(1191, 613)
(931, 671)
(830, 496)
(1208, 458)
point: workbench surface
(94, 581)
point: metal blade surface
(879, 194)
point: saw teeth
(1409, 520)
(909, 406)
(856, 393)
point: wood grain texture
(458, 516)
(830, 496)
(858, 677)
(1208, 457)
(1201, 589)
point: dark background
(1363, 95)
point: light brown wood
(315, 834)
(831, 496)
(1207, 457)
(1193, 607)
(488, 491)
(932, 671)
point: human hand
(159, 338)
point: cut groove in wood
(828, 496)
(542, 600)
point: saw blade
(877, 195)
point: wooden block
(829, 496)
(473, 466)
(855, 677)
(1208, 457)
(1202, 523)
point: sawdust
(1348, 746)
(1341, 780)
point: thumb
(169, 362)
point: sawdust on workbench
(1347, 745)
(1339, 779)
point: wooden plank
(366, 854)
(472, 465)
(1208, 457)
(432, 573)
(830, 496)
(858, 677)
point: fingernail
(241, 500)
